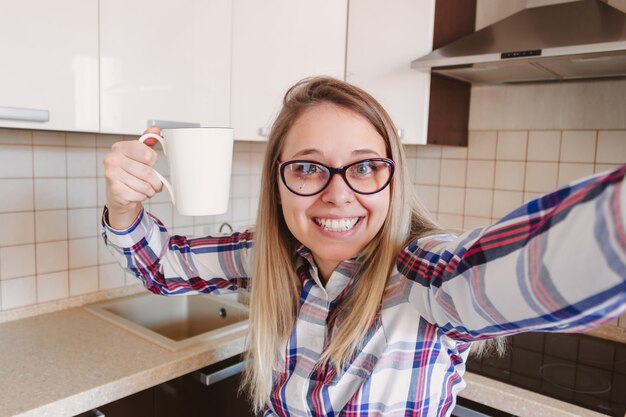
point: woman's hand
(130, 179)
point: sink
(175, 322)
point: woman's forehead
(328, 130)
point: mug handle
(165, 182)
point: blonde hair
(274, 289)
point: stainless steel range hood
(575, 40)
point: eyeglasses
(307, 178)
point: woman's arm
(558, 263)
(170, 265)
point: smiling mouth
(337, 225)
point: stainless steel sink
(174, 322)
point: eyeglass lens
(308, 178)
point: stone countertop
(67, 362)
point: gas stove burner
(571, 378)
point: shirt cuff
(138, 230)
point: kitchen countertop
(64, 363)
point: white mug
(200, 162)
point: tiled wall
(51, 198)
(525, 140)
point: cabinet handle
(212, 378)
(264, 131)
(23, 114)
(170, 124)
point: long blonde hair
(275, 289)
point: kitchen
(523, 140)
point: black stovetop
(575, 368)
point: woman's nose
(337, 191)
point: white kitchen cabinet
(383, 39)
(275, 44)
(165, 60)
(49, 66)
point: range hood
(576, 40)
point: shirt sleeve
(170, 265)
(558, 263)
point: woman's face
(335, 137)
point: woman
(359, 304)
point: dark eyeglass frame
(332, 171)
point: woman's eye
(307, 169)
(364, 168)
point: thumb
(151, 141)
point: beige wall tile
(478, 203)
(15, 137)
(17, 228)
(50, 193)
(83, 252)
(49, 161)
(570, 172)
(541, 176)
(83, 280)
(16, 161)
(605, 167)
(451, 200)
(529, 195)
(48, 138)
(110, 276)
(578, 146)
(611, 147)
(52, 286)
(454, 152)
(81, 162)
(480, 174)
(429, 196)
(17, 261)
(16, 195)
(505, 202)
(83, 222)
(86, 140)
(544, 145)
(597, 104)
(482, 145)
(511, 145)
(510, 175)
(471, 222)
(18, 292)
(453, 172)
(451, 221)
(82, 192)
(51, 257)
(427, 171)
(50, 225)
(428, 151)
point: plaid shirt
(558, 263)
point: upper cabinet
(49, 70)
(165, 61)
(383, 39)
(275, 44)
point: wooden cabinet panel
(448, 116)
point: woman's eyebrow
(305, 152)
(364, 152)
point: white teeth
(334, 225)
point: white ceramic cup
(200, 162)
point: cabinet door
(166, 60)
(49, 63)
(275, 44)
(383, 39)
